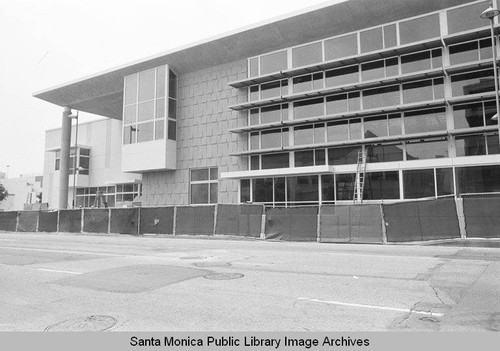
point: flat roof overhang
(102, 93)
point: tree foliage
(3, 193)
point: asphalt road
(125, 283)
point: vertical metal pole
(495, 73)
(64, 166)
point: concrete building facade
(288, 112)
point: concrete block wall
(203, 139)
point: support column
(64, 165)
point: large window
(204, 185)
(470, 51)
(474, 115)
(477, 144)
(423, 121)
(107, 196)
(148, 110)
(381, 186)
(82, 161)
(472, 83)
(484, 179)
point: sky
(44, 43)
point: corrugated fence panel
(195, 220)
(8, 221)
(47, 221)
(482, 216)
(240, 220)
(421, 220)
(157, 220)
(124, 221)
(292, 224)
(95, 220)
(70, 221)
(28, 221)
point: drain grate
(84, 324)
(223, 276)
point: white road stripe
(58, 271)
(61, 251)
(405, 310)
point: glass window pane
(274, 62)
(254, 93)
(172, 130)
(285, 137)
(254, 141)
(444, 181)
(271, 139)
(271, 114)
(437, 58)
(319, 157)
(275, 161)
(483, 179)
(214, 173)
(354, 101)
(302, 188)
(355, 129)
(319, 133)
(375, 127)
(213, 192)
(302, 83)
(493, 144)
(199, 174)
(381, 186)
(337, 131)
(129, 134)
(307, 54)
(270, 90)
(317, 81)
(438, 87)
(381, 97)
(159, 130)
(463, 53)
(199, 193)
(279, 190)
(341, 47)
(245, 190)
(130, 89)
(417, 91)
(384, 153)
(172, 108)
(420, 61)
(308, 108)
(395, 125)
(129, 114)
(262, 190)
(160, 108)
(146, 111)
(373, 70)
(145, 132)
(304, 158)
(371, 40)
(253, 67)
(391, 67)
(343, 155)
(418, 183)
(472, 83)
(466, 18)
(336, 104)
(328, 187)
(254, 117)
(490, 110)
(390, 37)
(303, 135)
(419, 29)
(147, 85)
(425, 121)
(160, 81)
(485, 51)
(470, 145)
(423, 150)
(254, 162)
(468, 116)
(345, 186)
(84, 162)
(342, 76)
(172, 84)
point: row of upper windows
(387, 96)
(394, 124)
(477, 144)
(425, 27)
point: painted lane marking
(404, 310)
(61, 251)
(58, 271)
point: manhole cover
(84, 324)
(192, 258)
(223, 276)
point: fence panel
(240, 220)
(47, 221)
(95, 220)
(292, 224)
(482, 216)
(157, 220)
(195, 220)
(124, 221)
(70, 221)
(28, 221)
(8, 221)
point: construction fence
(412, 221)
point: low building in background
(278, 113)
(25, 193)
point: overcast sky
(48, 42)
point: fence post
(58, 220)
(139, 221)
(459, 204)
(318, 229)
(216, 208)
(384, 229)
(263, 223)
(174, 224)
